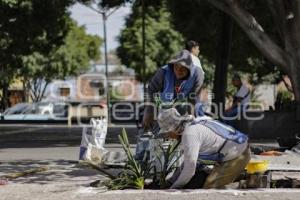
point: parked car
(15, 112)
(55, 111)
(36, 111)
(17, 109)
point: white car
(36, 111)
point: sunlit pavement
(66, 179)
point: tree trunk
(43, 90)
(25, 90)
(223, 53)
(37, 89)
(286, 17)
(5, 103)
(295, 78)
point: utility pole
(105, 15)
(105, 56)
(144, 44)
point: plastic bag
(142, 150)
(93, 140)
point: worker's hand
(173, 135)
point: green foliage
(167, 162)
(32, 25)
(113, 3)
(285, 95)
(198, 20)
(114, 95)
(79, 49)
(9, 2)
(284, 100)
(27, 27)
(266, 73)
(105, 4)
(134, 174)
(209, 70)
(162, 41)
(68, 59)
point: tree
(69, 59)
(200, 21)
(28, 26)
(282, 50)
(162, 41)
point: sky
(94, 23)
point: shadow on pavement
(20, 137)
(63, 171)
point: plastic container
(258, 166)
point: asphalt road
(52, 142)
(66, 179)
(58, 152)
(28, 135)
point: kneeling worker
(206, 139)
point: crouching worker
(206, 139)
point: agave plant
(167, 162)
(134, 174)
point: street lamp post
(105, 15)
(105, 44)
(144, 45)
(105, 57)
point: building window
(64, 92)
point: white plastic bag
(93, 140)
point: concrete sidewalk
(63, 191)
(67, 180)
(62, 177)
(34, 192)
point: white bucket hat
(170, 120)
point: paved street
(72, 70)
(64, 178)
(55, 152)
(34, 135)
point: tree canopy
(280, 44)
(162, 41)
(38, 39)
(28, 26)
(200, 21)
(69, 59)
